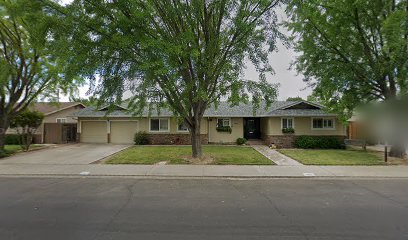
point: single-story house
(58, 125)
(119, 126)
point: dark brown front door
(252, 128)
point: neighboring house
(119, 126)
(58, 125)
(354, 128)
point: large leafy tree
(352, 52)
(28, 70)
(181, 54)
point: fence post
(386, 153)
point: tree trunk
(2, 142)
(3, 129)
(196, 139)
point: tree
(27, 69)
(26, 123)
(352, 52)
(293, 99)
(90, 101)
(184, 55)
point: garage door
(94, 132)
(123, 131)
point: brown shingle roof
(48, 107)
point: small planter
(226, 129)
(288, 130)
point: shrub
(224, 129)
(141, 138)
(288, 130)
(26, 123)
(241, 141)
(12, 139)
(322, 142)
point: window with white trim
(61, 120)
(182, 127)
(223, 122)
(159, 124)
(323, 123)
(287, 123)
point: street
(131, 208)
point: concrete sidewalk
(204, 171)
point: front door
(252, 128)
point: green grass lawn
(223, 155)
(11, 149)
(333, 157)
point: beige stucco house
(119, 126)
(58, 125)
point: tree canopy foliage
(352, 52)
(184, 55)
(293, 99)
(28, 67)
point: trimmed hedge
(12, 139)
(141, 138)
(241, 141)
(319, 142)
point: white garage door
(94, 132)
(122, 132)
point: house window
(159, 125)
(182, 127)
(323, 123)
(287, 123)
(223, 122)
(61, 120)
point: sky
(291, 84)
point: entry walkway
(276, 156)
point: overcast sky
(291, 84)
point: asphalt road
(115, 208)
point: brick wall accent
(280, 141)
(176, 139)
(288, 140)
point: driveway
(66, 154)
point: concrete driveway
(66, 154)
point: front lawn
(333, 157)
(11, 149)
(222, 155)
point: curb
(192, 177)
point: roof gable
(117, 107)
(301, 105)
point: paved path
(150, 209)
(381, 148)
(65, 154)
(200, 171)
(276, 156)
